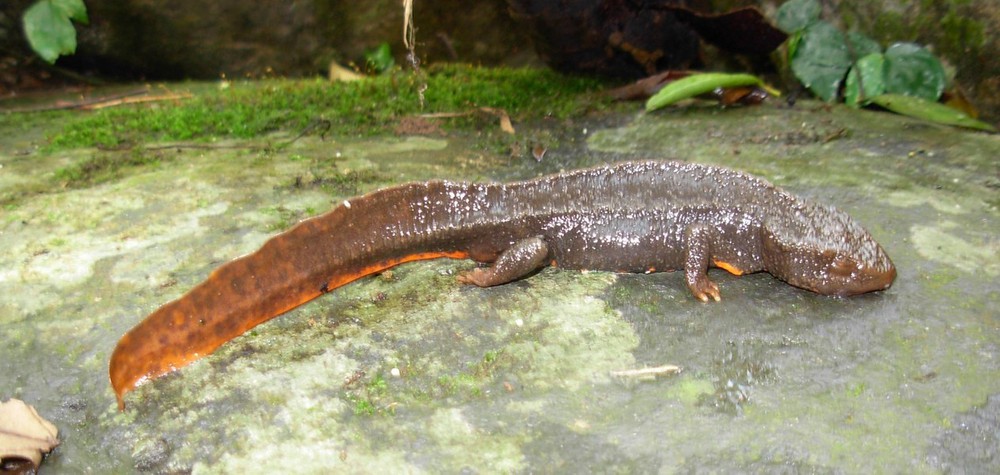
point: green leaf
(913, 71)
(696, 85)
(862, 45)
(48, 27)
(796, 15)
(822, 59)
(793, 43)
(72, 9)
(380, 58)
(865, 79)
(929, 111)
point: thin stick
(410, 41)
(505, 124)
(648, 372)
(409, 35)
(136, 100)
(76, 104)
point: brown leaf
(25, 435)
(340, 73)
(646, 87)
(538, 151)
(505, 124)
(957, 100)
(746, 95)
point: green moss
(461, 383)
(339, 183)
(102, 167)
(473, 382)
(377, 386)
(284, 218)
(857, 390)
(691, 389)
(364, 407)
(367, 107)
(372, 397)
(491, 357)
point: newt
(629, 217)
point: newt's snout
(867, 280)
(845, 276)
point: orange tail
(292, 268)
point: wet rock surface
(410, 371)
(970, 446)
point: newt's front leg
(698, 238)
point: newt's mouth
(864, 281)
(879, 280)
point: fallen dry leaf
(538, 151)
(505, 124)
(647, 87)
(24, 435)
(746, 95)
(957, 100)
(340, 73)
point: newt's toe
(475, 276)
(705, 290)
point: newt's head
(822, 249)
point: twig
(505, 123)
(136, 100)
(321, 125)
(648, 373)
(448, 45)
(77, 104)
(410, 42)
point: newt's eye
(842, 266)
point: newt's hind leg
(521, 259)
